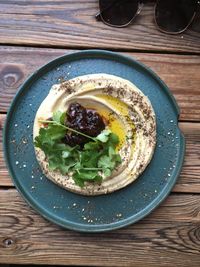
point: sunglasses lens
(174, 16)
(118, 12)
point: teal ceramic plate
(99, 213)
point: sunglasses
(171, 16)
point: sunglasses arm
(98, 16)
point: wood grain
(170, 236)
(72, 24)
(181, 74)
(189, 180)
(5, 179)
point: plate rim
(96, 228)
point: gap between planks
(119, 50)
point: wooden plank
(168, 237)
(72, 24)
(5, 179)
(189, 180)
(181, 74)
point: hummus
(129, 115)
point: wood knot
(10, 75)
(8, 242)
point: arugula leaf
(117, 159)
(77, 166)
(50, 134)
(111, 151)
(113, 139)
(107, 172)
(83, 175)
(43, 139)
(103, 136)
(106, 162)
(87, 175)
(59, 117)
(77, 179)
(92, 146)
(62, 147)
(97, 158)
(66, 167)
(88, 160)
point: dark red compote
(86, 121)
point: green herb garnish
(98, 157)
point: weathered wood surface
(168, 237)
(181, 74)
(189, 180)
(72, 24)
(5, 179)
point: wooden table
(35, 32)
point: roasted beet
(84, 120)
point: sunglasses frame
(98, 16)
(173, 33)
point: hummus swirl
(129, 114)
